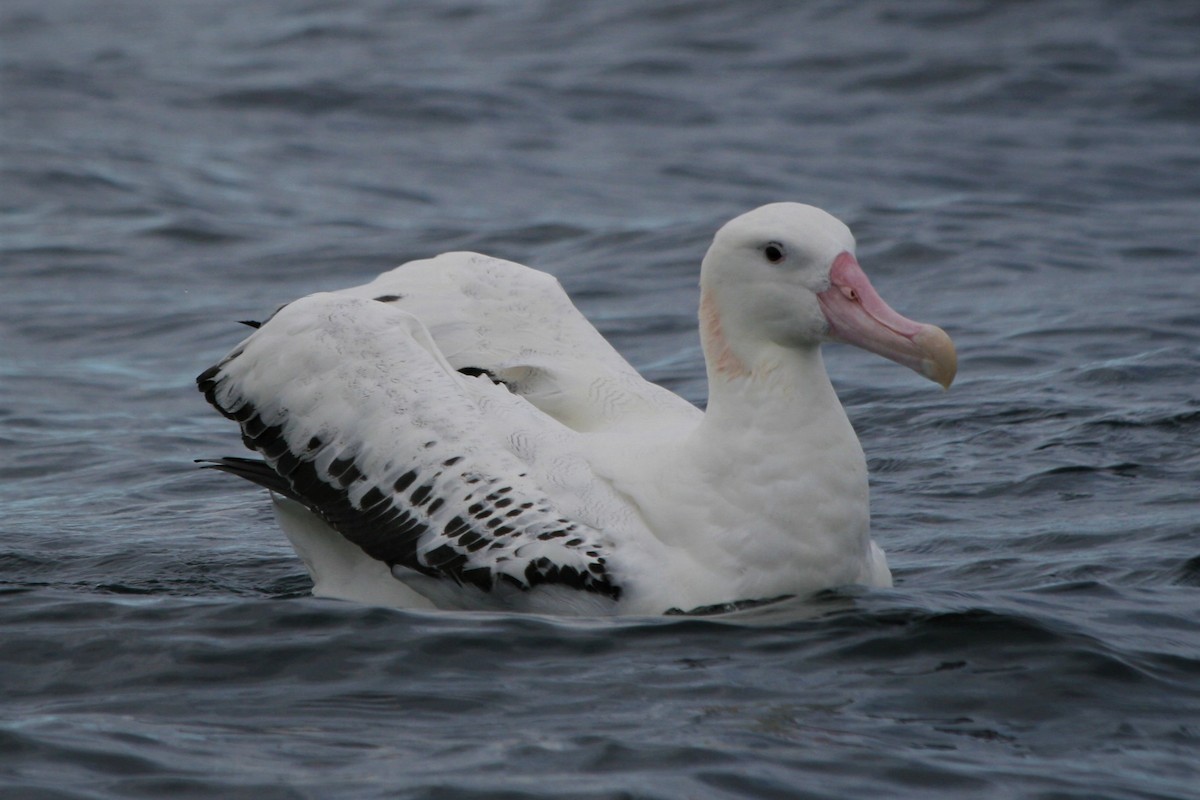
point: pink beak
(857, 315)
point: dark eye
(774, 252)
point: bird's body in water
(455, 434)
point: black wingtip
(250, 323)
(253, 470)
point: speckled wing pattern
(362, 418)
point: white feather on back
(519, 324)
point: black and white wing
(451, 480)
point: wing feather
(352, 405)
(519, 325)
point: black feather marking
(253, 426)
(287, 464)
(205, 379)
(250, 323)
(373, 497)
(475, 546)
(344, 470)
(479, 576)
(389, 298)
(408, 525)
(388, 526)
(445, 558)
(251, 469)
(276, 311)
(469, 538)
(475, 372)
(315, 489)
(271, 442)
(241, 413)
(405, 480)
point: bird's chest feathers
(798, 487)
(772, 491)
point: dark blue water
(1026, 175)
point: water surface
(1026, 175)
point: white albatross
(455, 434)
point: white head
(785, 276)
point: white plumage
(455, 434)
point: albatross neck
(752, 384)
(785, 390)
(783, 475)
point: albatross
(455, 434)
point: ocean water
(1026, 175)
